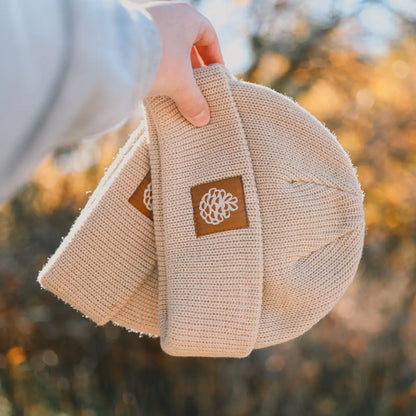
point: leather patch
(219, 206)
(142, 197)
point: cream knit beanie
(258, 226)
(108, 256)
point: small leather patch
(142, 197)
(219, 206)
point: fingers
(189, 99)
(208, 45)
(195, 58)
(191, 103)
(189, 41)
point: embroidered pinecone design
(147, 197)
(216, 205)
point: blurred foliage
(359, 360)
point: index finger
(208, 45)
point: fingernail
(201, 119)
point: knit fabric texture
(109, 254)
(258, 226)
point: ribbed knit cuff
(210, 286)
(109, 252)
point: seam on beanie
(115, 311)
(347, 191)
(158, 217)
(345, 233)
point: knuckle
(185, 5)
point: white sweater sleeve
(69, 69)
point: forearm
(71, 69)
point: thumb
(191, 103)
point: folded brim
(210, 283)
(109, 252)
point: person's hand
(188, 41)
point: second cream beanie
(108, 257)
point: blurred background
(350, 63)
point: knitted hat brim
(109, 252)
(210, 286)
